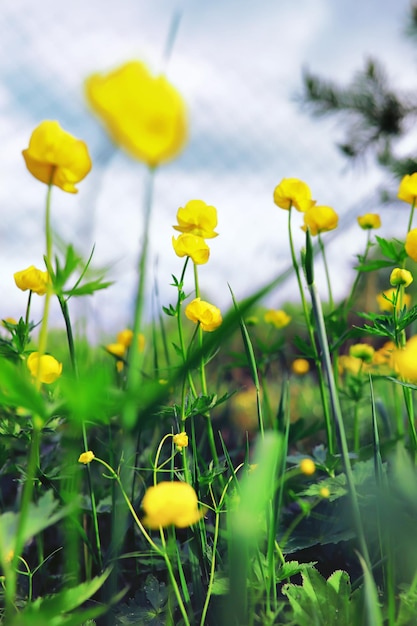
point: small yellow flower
(181, 440)
(193, 246)
(86, 457)
(206, 314)
(369, 220)
(117, 349)
(325, 492)
(56, 157)
(404, 360)
(171, 503)
(197, 218)
(33, 279)
(407, 190)
(349, 364)
(307, 467)
(400, 277)
(411, 243)
(293, 192)
(362, 351)
(279, 318)
(386, 305)
(300, 366)
(125, 336)
(144, 114)
(320, 219)
(9, 320)
(46, 369)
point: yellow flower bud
(300, 366)
(171, 503)
(362, 351)
(193, 246)
(86, 457)
(293, 192)
(307, 467)
(56, 157)
(400, 277)
(278, 318)
(197, 218)
(143, 114)
(33, 279)
(46, 369)
(407, 190)
(181, 440)
(206, 314)
(320, 219)
(411, 243)
(369, 220)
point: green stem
(410, 220)
(326, 269)
(350, 298)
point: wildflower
(171, 503)
(46, 369)
(278, 318)
(362, 351)
(192, 246)
(369, 220)
(86, 457)
(411, 244)
(320, 219)
(300, 366)
(143, 114)
(33, 279)
(56, 157)
(386, 298)
(407, 190)
(197, 218)
(117, 349)
(292, 192)
(324, 492)
(181, 440)
(307, 467)
(125, 336)
(349, 364)
(9, 320)
(208, 315)
(400, 277)
(404, 360)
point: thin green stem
(326, 269)
(350, 298)
(410, 220)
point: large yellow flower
(54, 156)
(33, 279)
(197, 218)
(407, 190)
(320, 219)
(171, 503)
(293, 192)
(46, 369)
(206, 314)
(411, 244)
(405, 360)
(193, 246)
(143, 114)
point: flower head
(181, 440)
(86, 457)
(116, 349)
(324, 492)
(197, 218)
(33, 279)
(171, 503)
(362, 351)
(278, 318)
(369, 220)
(307, 467)
(400, 276)
(407, 190)
(411, 243)
(193, 246)
(46, 368)
(300, 367)
(320, 219)
(386, 298)
(405, 360)
(208, 315)
(293, 192)
(144, 114)
(56, 157)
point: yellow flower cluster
(171, 504)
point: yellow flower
(362, 351)
(206, 314)
(171, 503)
(407, 190)
(279, 318)
(320, 219)
(181, 440)
(197, 218)
(307, 467)
(144, 114)
(400, 277)
(117, 349)
(33, 279)
(46, 368)
(411, 244)
(350, 364)
(293, 192)
(54, 156)
(86, 457)
(193, 246)
(325, 492)
(386, 305)
(404, 360)
(125, 336)
(300, 366)
(369, 220)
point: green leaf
(371, 266)
(17, 389)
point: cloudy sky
(238, 64)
